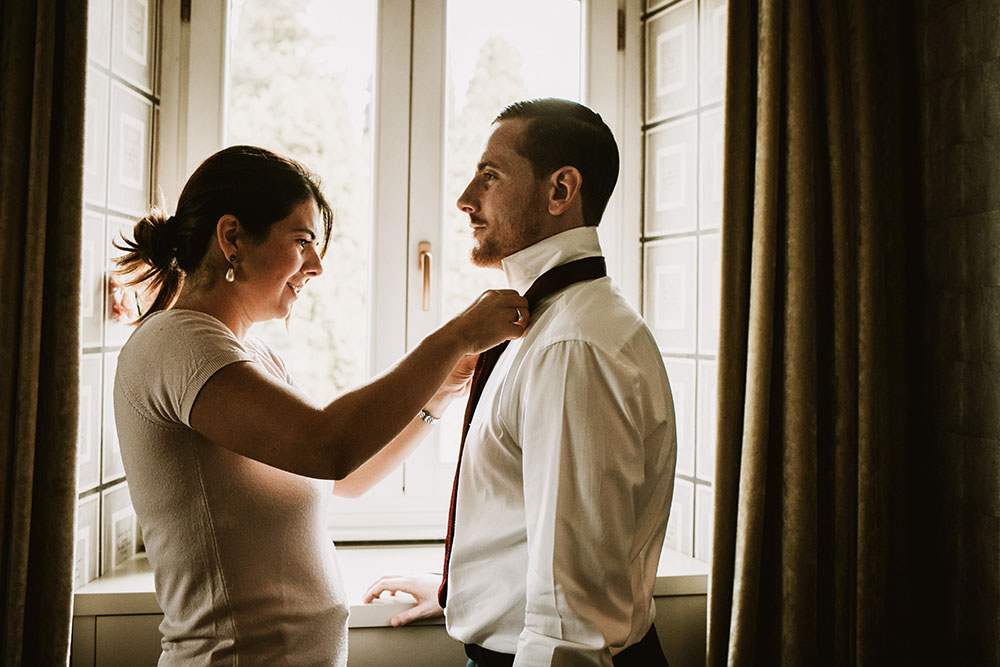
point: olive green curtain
(809, 554)
(42, 67)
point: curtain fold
(809, 561)
(42, 70)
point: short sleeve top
(243, 563)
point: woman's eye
(304, 242)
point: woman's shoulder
(178, 322)
(183, 317)
(173, 333)
(169, 357)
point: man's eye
(488, 176)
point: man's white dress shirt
(566, 478)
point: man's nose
(466, 202)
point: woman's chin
(282, 312)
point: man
(566, 473)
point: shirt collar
(524, 266)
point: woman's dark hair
(256, 186)
(560, 133)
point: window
(121, 108)
(684, 59)
(389, 103)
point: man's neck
(522, 267)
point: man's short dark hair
(560, 133)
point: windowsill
(128, 590)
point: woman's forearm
(390, 457)
(364, 420)
(357, 424)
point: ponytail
(151, 258)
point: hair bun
(155, 241)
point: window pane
(529, 49)
(300, 84)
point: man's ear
(228, 232)
(564, 189)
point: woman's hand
(458, 382)
(496, 316)
(456, 385)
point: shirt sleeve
(169, 359)
(582, 464)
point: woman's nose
(314, 265)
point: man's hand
(423, 587)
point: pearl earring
(231, 273)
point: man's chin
(485, 258)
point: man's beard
(488, 252)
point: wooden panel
(671, 186)
(713, 50)
(672, 62)
(681, 373)
(680, 624)
(95, 142)
(411, 646)
(118, 527)
(89, 428)
(133, 41)
(134, 640)
(670, 298)
(128, 641)
(680, 526)
(81, 653)
(86, 553)
(130, 148)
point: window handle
(424, 265)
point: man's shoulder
(595, 312)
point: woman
(221, 453)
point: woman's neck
(220, 304)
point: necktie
(550, 282)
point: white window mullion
(427, 116)
(427, 480)
(193, 89)
(377, 514)
(607, 78)
(628, 131)
(391, 176)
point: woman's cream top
(244, 566)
